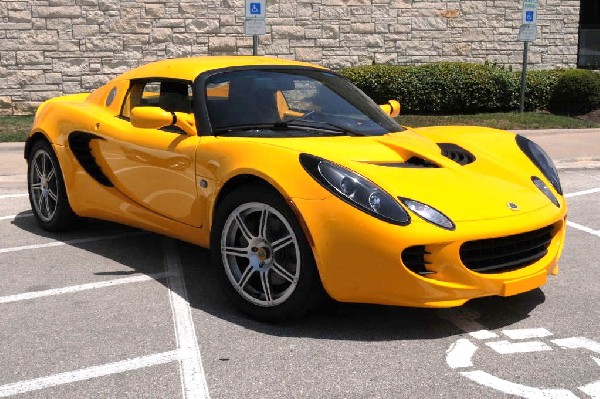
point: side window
(172, 96)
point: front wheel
(262, 256)
(47, 193)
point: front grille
(504, 254)
(414, 259)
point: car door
(153, 167)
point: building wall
(50, 47)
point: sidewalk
(570, 149)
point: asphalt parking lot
(109, 311)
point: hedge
(465, 88)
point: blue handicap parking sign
(529, 16)
(254, 8)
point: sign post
(255, 21)
(527, 33)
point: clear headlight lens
(541, 160)
(429, 214)
(355, 190)
(544, 188)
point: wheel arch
(240, 180)
(31, 140)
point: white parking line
(20, 215)
(88, 373)
(83, 287)
(584, 192)
(193, 381)
(13, 196)
(583, 228)
(69, 242)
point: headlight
(429, 214)
(355, 190)
(544, 188)
(541, 160)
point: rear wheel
(263, 259)
(47, 193)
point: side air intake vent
(456, 153)
(414, 259)
(79, 142)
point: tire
(47, 193)
(262, 257)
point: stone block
(55, 11)
(222, 44)
(309, 54)
(25, 108)
(153, 10)
(30, 57)
(84, 31)
(363, 28)
(287, 32)
(5, 105)
(19, 16)
(429, 23)
(71, 66)
(62, 3)
(104, 44)
(202, 25)
(161, 35)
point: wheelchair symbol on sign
(529, 16)
(254, 8)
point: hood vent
(456, 153)
(412, 162)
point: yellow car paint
(169, 183)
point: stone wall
(50, 47)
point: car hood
(499, 174)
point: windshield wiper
(305, 125)
(296, 122)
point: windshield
(291, 103)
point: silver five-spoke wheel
(263, 259)
(260, 254)
(43, 185)
(47, 193)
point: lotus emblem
(512, 206)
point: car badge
(512, 206)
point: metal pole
(255, 45)
(523, 78)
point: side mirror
(155, 118)
(392, 108)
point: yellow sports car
(300, 185)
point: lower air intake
(504, 254)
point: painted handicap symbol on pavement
(460, 354)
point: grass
(15, 128)
(506, 121)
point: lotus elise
(300, 185)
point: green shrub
(539, 89)
(576, 92)
(439, 88)
(455, 88)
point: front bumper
(359, 257)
